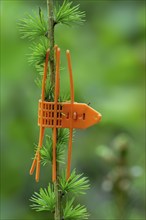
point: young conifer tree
(59, 197)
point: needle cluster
(68, 14)
(45, 199)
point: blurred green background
(108, 56)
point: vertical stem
(51, 39)
(57, 215)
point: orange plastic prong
(37, 176)
(42, 130)
(57, 87)
(71, 113)
(70, 75)
(69, 154)
(36, 161)
(33, 166)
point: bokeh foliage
(108, 55)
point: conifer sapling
(59, 198)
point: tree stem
(57, 215)
(51, 39)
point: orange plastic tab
(82, 116)
(61, 115)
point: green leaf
(78, 212)
(38, 82)
(33, 26)
(68, 14)
(63, 135)
(40, 69)
(49, 90)
(64, 97)
(46, 151)
(44, 200)
(76, 184)
(38, 54)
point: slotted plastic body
(82, 115)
